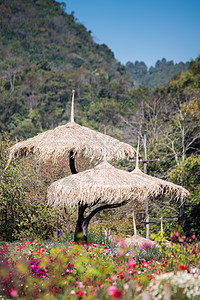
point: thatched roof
(138, 241)
(104, 182)
(60, 141)
(165, 187)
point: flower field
(33, 270)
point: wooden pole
(146, 204)
(161, 226)
(134, 224)
(147, 219)
(145, 161)
(72, 107)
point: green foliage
(156, 76)
(153, 252)
(188, 175)
(23, 205)
(56, 271)
(92, 238)
(194, 66)
(38, 72)
(115, 221)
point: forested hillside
(45, 53)
(156, 76)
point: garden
(64, 220)
(40, 258)
(104, 270)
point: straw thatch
(104, 183)
(60, 141)
(165, 187)
(138, 241)
(72, 138)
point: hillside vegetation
(156, 76)
(45, 53)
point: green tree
(23, 206)
(188, 175)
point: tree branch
(106, 206)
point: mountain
(45, 53)
(156, 76)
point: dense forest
(45, 53)
(156, 76)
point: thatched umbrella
(165, 187)
(69, 140)
(103, 186)
(138, 241)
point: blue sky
(144, 30)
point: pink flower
(146, 245)
(126, 286)
(120, 241)
(174, 236)
(14, 293)
(112, 290)
(158, 271)
(181, 240)
(131, 264)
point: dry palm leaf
(104, 183)
(72, 139)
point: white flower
(186, 283)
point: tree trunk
(80, 235)
(72, 163)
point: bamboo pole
(134, 224)
(146, 204)
(161, 226)
(72, 107)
